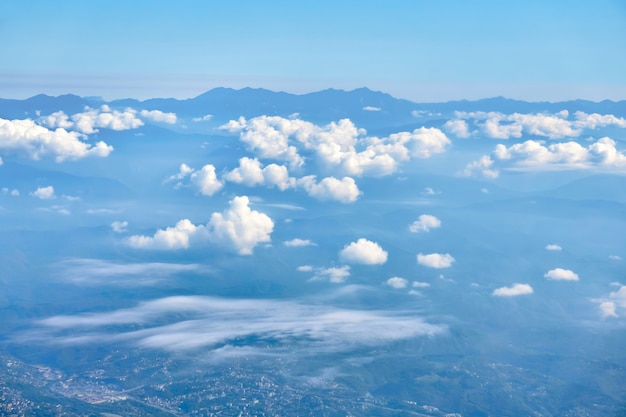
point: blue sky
(423, 51)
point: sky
(425, 51)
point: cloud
(206, 180)
(424, 223)
(299, 243)
(608, 309)
(482, 166)
(612, 257)
(330, 188)
(204, 118)
(514, 290)
(183, 171)
(553, 247)
(251, 173)
(44, 193)
(397, 283)
(338, 145)
(176, 237)
(418, 284)
(13, 193)
(240, 227)
(91, 120)
(119, 226)
(37, 141)
(159, 116)
(363, 251)
(435, 260)
(305, 268)
(99, 272)
(371, 108)
(335, 275)
(561, 275)
(458, 128)
(185, 323)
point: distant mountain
(363, 106)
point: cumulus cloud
(159, 116)
(37, 141)
(615, 301)
(251, 173)
(344, 190)
(424, 223)
(340, 145)
(397, 282)
(183, 171)
(119, 226)
(534, 155)
(238, 228)
(364, 251)
(205, 180)
(184, 323)
(554, 247)
(204, 118)
(305, 268)
(371, 108)
(44, 193)
(299, 242)
(458, 128)
(514, 290)
(561, 274)
(608, 309)
(91, 120)
(435, 260)
(419, 284)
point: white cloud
(37, 141)
(397, 283)
(44, 193)
(435, 260)
(371, 108)
(299, 242)
(608, 309)
(183, 171)
(419, 284)
(429, 191)
(482, 166)
(305, 268)
(183, 323)
(335, 275)
(561, 274)
(615, 257)
(204, 118)
(619, 296)
(514, 290)
(553, 246)
(206, 180)
(119, 226)
(251, 173)
(364, 251)
(424, 223)
(91, 119)
(240, 227)
(176, 237)
(458, 128)
(13, 193)
(159, 116)
(595, 120)
(330, 188)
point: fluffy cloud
(119, 226)
(206, 180)
(37, 141)
(251, 173)
(91, 120)
(204, 118)
(554, 247)
(44, 193)
(159, 116)
(435, 260)
(397, 283)
(458, 128)
(371, 108)
(608, 309)
(176, 237)
(330, 188)
(561, 274)
(364, 251)
(514, 290)
(339, 145)
(534, 155)
(238, 227)
(299, 243)
(424, 223)
(553, 126)
(615, 301)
